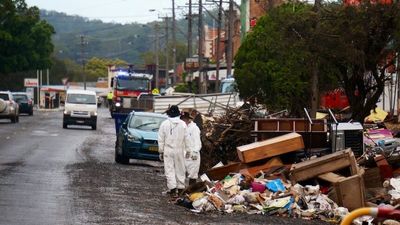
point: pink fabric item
(257, 187)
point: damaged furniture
(347, 191)
(271, 147)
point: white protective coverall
(193, 145)
(171, 142)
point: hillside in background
(106, 40)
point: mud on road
(108, 193)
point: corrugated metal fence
(204, 103)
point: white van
(80, 108)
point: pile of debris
(221, 135)
(294, 168)
(261, 184)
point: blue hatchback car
(137, 137)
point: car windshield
(81, 99)
(4, 97)
(19, 97)
(133, 84)
(146, 123)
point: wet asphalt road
(50, 175)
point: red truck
(131, 91)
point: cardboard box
(271, 147)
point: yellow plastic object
(193, 197)
(321, 115)
(378, 116)
(348, 220)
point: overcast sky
(120, 11)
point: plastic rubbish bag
(275, 185)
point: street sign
(31, 82)
(193, 63)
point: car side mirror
(125, 125)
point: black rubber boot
(180, 192)
(192, 181)
(172, 192)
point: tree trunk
(314, 90)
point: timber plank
(272, 147)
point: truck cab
(228, 85)
(130, 92)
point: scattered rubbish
(298, 168)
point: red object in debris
(253, 22)
(324, 190)
(335, 99)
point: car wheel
(17, 119)
(120, 158)
(65, 125)
(31, 113)
(13, 119)
(94, 126)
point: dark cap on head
(173, 111)
(186, 115)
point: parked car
(24, 102)
(137, 137)
(80, 108)
(9, 109)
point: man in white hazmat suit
(192, 148)
(171, 146)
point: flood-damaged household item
(254, 168)
(275, 185)
(271, 147)
(221, 171)
(333, 162)
(347, 191)
(376, 115)
(395, 188)
(348, 135)
(314, 135)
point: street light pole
(83, 61)
(157, 60)
(218, 50)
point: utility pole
(200, 47)
(156, 49)
(218, 50)
(174, 42)
(189, 17)
(229, 52)
(83, 60)
(48, 76)
(166, 50)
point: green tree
(356, 43)
(97, 67)
(25, 40)
(270, 67)
(349, 45)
